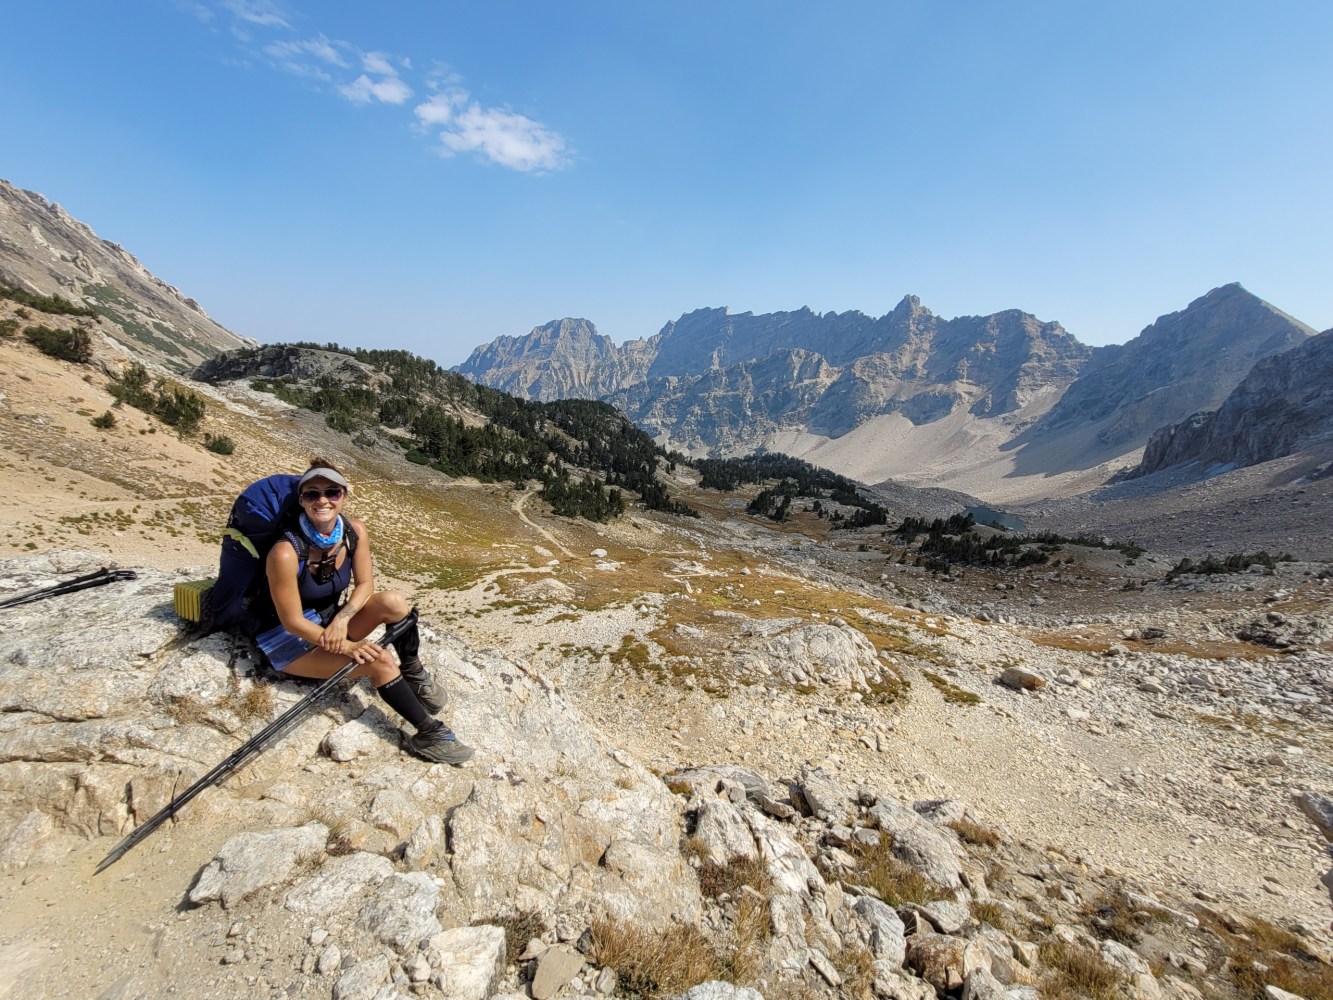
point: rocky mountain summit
(1283, 405)
(45, 250)
(982, 404)
(1185, 362)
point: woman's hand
(363, 652)
(334, 637)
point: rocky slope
(1285, 404)
(43, 249)
(1184, 362)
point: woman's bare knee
(382, 670)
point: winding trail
(519, 503)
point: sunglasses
(332, 493)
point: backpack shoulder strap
(298, 543)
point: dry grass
(1269, 955)
(896, 881)
(855, 964)
(998, 916)
(974, 833)
(717, 880)
(520, 927)
(652, 964)
(255, 703)
(1076, 971)
(1112, 916)
(953, 694)
(753, 928)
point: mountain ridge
(1000, 406)
(47, 251)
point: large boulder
(249, 862)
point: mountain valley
(918, 758)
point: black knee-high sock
(398, 696)
(408, 644)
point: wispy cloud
(504, 137)
(319, 48)
(264, 13)
(386, 90)
(463, 126)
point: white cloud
(505, 138)
(497, 135)
(319, 47)
(440, 108)
(261, 12)
(375, 62)
(363, 90)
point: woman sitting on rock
(309, 570)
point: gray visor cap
(321, 472)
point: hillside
(46, 251)
(1284, 405)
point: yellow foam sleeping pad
(191, 599)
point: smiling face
(319, 506)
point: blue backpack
(240, 600)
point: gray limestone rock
(395, 811)
(881, 929)
(26, 837)
(556, 967)
(248, 862)
(470, 961)
(708, 780)
(981, 985)
(893, 983)
(363, 980)
(722, 833)
(401, 910)
(919, 844)
(339, 885)
(718, 990)
(824, 796)
(427, 843)
(1319, 808)
(358, 738)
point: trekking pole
(278, 727)
(97, 579)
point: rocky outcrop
(1283, 405)
(45, 250)
(384, 877)
(1185, 362)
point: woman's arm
(281, 568)
(363, 572)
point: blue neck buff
(328, 541)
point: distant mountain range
(1004, 406)
(45, 250)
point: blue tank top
(314, 594)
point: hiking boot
(429, 693)
(440, 746)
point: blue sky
(431, 175)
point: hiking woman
(310, 570)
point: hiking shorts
(281, 648)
